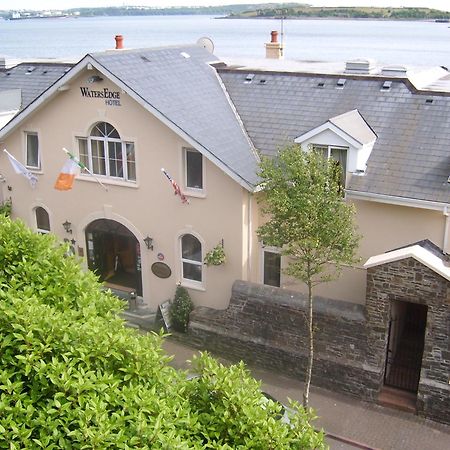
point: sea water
(389, 42)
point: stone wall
(266, 326)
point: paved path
(375, 426)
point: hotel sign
(112, 98)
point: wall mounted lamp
(94, 79)
(149, 242)
(67, 226)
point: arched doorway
(113, 253)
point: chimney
(274, 50)
(119, 41)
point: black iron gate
(405, 348)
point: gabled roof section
(179, 84)
(425, 255)
(410, 158)
(350, 126)
(353, 124)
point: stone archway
(113, 253)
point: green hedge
(73, 377)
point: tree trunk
(311, 347)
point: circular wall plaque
(161, 270)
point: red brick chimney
(119, 42)
(274, 50)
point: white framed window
(338, 154)
(193, 169)
(33, 158)
(105, 154)
(42, 220)
(191, 258)
(271, 266)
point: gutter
(394, 200)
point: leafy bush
(235, 414)
(180, 309)
(5, 208)
(73, 377)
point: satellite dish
(206, 43)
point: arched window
(191, 258)
(104, 153)
(42, 220)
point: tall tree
(310, 222)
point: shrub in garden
(73, 377)
(180, 309)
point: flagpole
(82, 166)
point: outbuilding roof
(31, 78)
(411, 156)
(420, 253)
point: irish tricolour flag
(65, 179)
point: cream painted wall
(148, 207)
(383, 227)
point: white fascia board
(417, 252)
(89, 61)
(328, 126)
(400, 201)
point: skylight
(249, 78)
(341, 83)
(386, 85)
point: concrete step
(141, 318)
(398, 399)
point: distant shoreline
(377, 19)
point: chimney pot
(274, 49)
(119, 41)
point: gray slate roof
(188, 92)
(31, 78)
(411, 157)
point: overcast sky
(65, 4)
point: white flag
(21, 169)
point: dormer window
(338, 154)
(347, 138)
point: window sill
(35, 170)
(196, 193)
(189, 284)
(108, 181)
